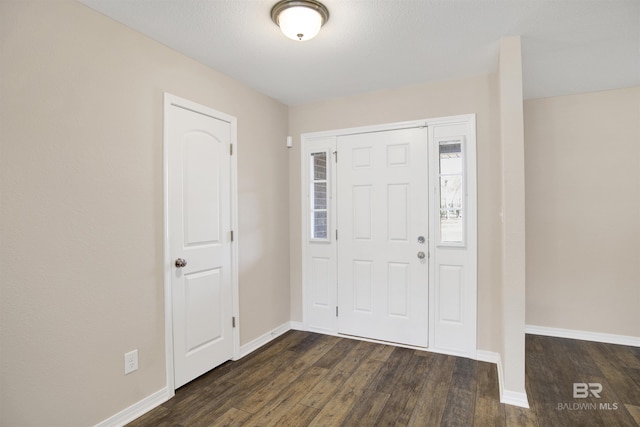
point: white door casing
(201, 296)
(382, 213)
(452, 267)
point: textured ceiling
(569, 46)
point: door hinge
(233, 322)
(231, 149)
(336, 234)
(232, 235)
(335, 154)
(336, 311)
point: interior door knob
(421, 255)
(181, 262)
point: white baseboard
(506, 396)
(297, 326)
(137, 409)
(263, 339)
(451, 352)
(158, 398)
(488, 356)
(514, 398)
(583, 335)
(520, 399)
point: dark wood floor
(306, 379)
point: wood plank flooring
(307, 379)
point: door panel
(450, 293)
(398, 206)
(199, 224)
(202, 309)
(398, 287)
(382, 209)
(363, 286)
(362, 213)
(201, 188)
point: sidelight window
(452, 191)
(319, 196)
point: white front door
(199, 222)
(382, 245)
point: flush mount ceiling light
(300, 19)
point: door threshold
(373, 340)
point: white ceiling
(569, 46)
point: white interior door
(199, 221)
(382, 242)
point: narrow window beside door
(318, 196)
(452, 191)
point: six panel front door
(382, 230)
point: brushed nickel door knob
(181, 262)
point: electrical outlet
(130, 362)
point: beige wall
(81, 205)
(583, 211)
(81, 215)
(474, 95)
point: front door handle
(421, 255)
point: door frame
(311, 142)
(168, 101)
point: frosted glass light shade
(300, 20)
(300, 23)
